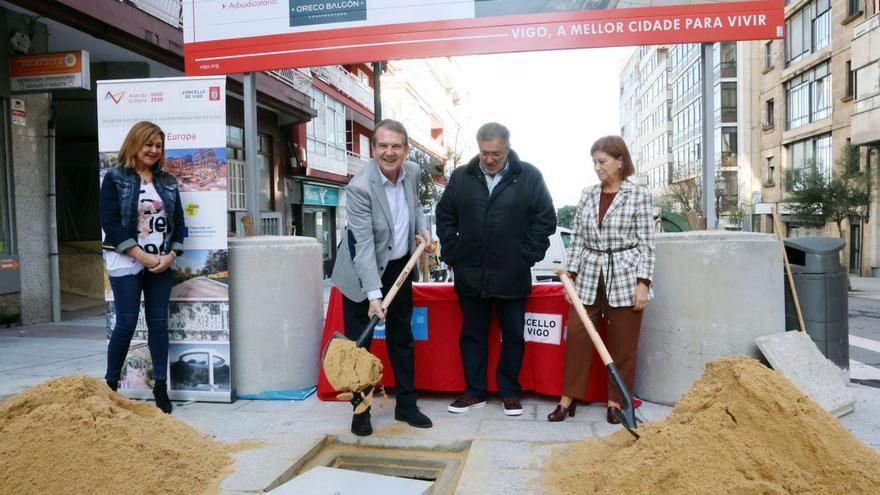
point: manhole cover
(442, 467)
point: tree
(430, 168)
(818, 197)
(565, 216)
(683, 197)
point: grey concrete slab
(499, 482)
(796, 357)
(331, 481)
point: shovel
(627, 413)
(386, 301)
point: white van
(553, 258)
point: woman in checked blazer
(611, 260)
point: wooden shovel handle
(568, 287)
(401, 279)
(777, 226)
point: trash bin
(821, 285)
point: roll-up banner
(192, 112)
(227, 36)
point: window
(326, 132)
(769, 111)
(850, 80)
(725, 102)
(768, 55)
(724, 55)
(236, 192)
(852, 161)
(815, 151)
(264, 164)
(725, 147)
(808, 97)
(807, 31)
(771, 171)
(853, 7)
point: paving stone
(330, 481)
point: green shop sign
(318, 195)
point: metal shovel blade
(627, 413)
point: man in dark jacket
(494, 222)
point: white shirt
(493, 180)
(152, 229)
(396, 195)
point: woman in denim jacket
(143, 225)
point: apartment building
(662, 91)
(807, 107)
(865, 124)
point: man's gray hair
(391, 125)
(493, 130)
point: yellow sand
(74, 435)
(349, 368)
(742, 429)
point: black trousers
(398, 331)
(474, 343)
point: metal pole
(251, 144)
(377, 91)
(708, 135)
(54, 276)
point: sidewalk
(505, 454)
(865, 287)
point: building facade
(124, 40)
(807, 108)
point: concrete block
(795, 356)
(715, 292)
(275, 304)
(331, 481)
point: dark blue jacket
(492, 241)
(117, 208)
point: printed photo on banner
(199, 366)
(200, 169)
(201, 274)
(205, 215)
(188, 321)
(137, 370)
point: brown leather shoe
(560, 412)
(610, 417)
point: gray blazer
(365, 246)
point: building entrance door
(318, 222)
(855, 244)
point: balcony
(300, 79)
(344, 81)
(170, 11)
(355, 162)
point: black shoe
(113, 384)
(360, 424)
(413, 417)
(160, 393)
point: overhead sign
(49, 72)
(223, 36)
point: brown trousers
(621, 339)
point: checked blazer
(627, 232)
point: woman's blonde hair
(135, 139)
(615, 147)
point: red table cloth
(437, 326)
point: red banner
(438, 360)
(222, 41)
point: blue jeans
(127, 289)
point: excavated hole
(441, 466)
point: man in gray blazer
(385, 222)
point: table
(437, 326)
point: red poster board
(223, 36)
(438, 360)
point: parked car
(553, 258)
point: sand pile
(741, 429)
(74, 435)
